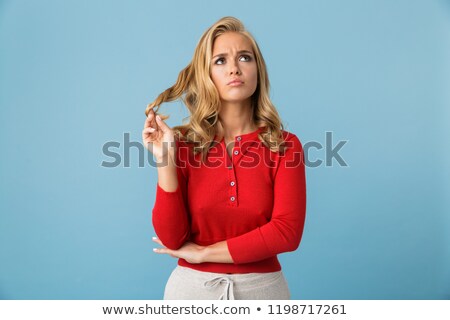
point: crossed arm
(193, 253)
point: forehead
(231, 41)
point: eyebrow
(226, 54)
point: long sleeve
(170, 214)
(284, 230)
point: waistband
(212, 280)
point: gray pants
(189, 284)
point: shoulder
(184, 148)
(292, 141)
(180, 137)
(292, 156)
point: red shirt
(256, 201)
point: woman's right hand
(158, 137)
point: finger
(158, 241)
(149, 130)
(150, 118)
(160, 250)
(148, 135)
(164, 251)
(164, 127)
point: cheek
(253, 74)
(215, 76)
(251, 70)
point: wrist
(204, 254)
(217, 252)
(165, 160)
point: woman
(231, 189)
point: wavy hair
(196, 89)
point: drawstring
(227, 293)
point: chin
(236, 98)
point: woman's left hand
(191, 252)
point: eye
(218, 60)
(221, 61)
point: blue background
(75, 75)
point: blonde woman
(231, 190)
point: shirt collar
(251, 136)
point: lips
(235, 82)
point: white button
(238, 138)
(236, 153)
(232, 183)
(232, 198)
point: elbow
(172, 236)
(289, 235)
(292, 240)
(294, 244)
(287, 244)
(296, 238)
(173, 245)
(171, 242)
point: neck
(236, 119)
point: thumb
(164, 127)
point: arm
(167, 175)
(170, 216)
(194, 253)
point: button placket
(239, 149)
(232, 199)
(236, 156)
(232, 192)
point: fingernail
(154, 249)
(154, 238)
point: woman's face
(233, 59)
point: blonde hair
(196, 89)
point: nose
(234, 68)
